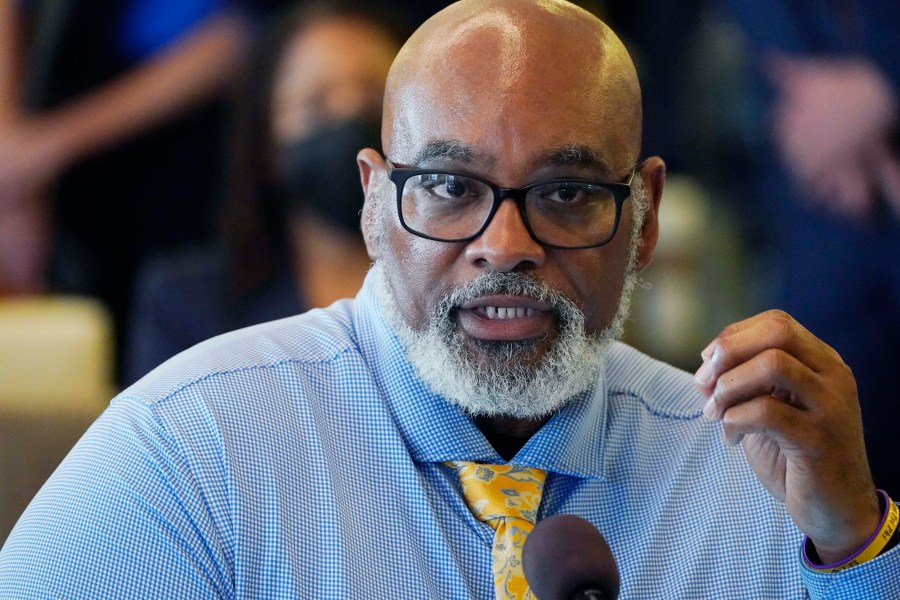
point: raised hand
(790, 400)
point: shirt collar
(572, 442)
(434, 430)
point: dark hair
(252, 218)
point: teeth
(503, 312)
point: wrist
(881, 539)
(50, 142)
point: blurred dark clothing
(184, 299)
(840, 278)
(657, 35)
(866, 28)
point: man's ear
(653, 174)
(369, 161)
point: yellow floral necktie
(505, 497)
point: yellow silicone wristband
(874, 545)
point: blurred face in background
(333, 70)
(326, 105)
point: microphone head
(565, 555)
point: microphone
(566, 558)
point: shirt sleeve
(122, 517)
(877, 578)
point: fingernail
(734, 440)
(709, 409)
(705, 373)
(707, 352)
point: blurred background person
(111, 117)
(290, 240)
(827, 186)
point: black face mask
(320, 172)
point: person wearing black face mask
(289, 227)
(319, 177)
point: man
(324, 456)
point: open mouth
(504, 317)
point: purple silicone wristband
(883, 500)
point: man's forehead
(492, 32)
(487, 84)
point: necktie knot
(506, 497)
(501, 491)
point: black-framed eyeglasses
(446, 206)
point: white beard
(501, 382)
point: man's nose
(505, 244)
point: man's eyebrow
(575, 155)
(572, 155)
(445, 150)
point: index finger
(741, 341)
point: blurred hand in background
(833, 122)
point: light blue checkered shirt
(302, 459)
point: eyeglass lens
(561, 213)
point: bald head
(506, 69)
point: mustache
(505, 283)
